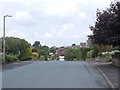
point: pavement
(54, 74)
(110, 72)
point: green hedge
(11, 57)
(89, 54)
(76, 53)
(46, 58)
(25, 58)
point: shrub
(11, 57)
(35, 54)
(79, 53)
(95, 52)
(89, 54)
(75, 59)
(46, 58)
(24, 58)
(26, 55)
(42, 58)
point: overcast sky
(52, 22)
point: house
(88, 43)
(60, 52)
(83, 44)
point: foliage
(46, 57)
(75, 59)
(42, 58)
(84, 52)
(43, 50)
(34, 49)
(36, 44)
(74, 44)
(107, 26)
(89, 54)
(35, 54)
(117, 48)
(24, 58)
(112, 54)
(27, 52)
(52, 50)
(26, 55)
(11, 57)
(95, 52)
(16, 46)
(70, 54)
(79, 53)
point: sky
(52, 22)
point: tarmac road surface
(54, 74)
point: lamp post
(4, 37)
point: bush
(116, 48)
(95, 52)
(42, 58)
(35, 54)
(75, 59)
(89, 54)
(25, 58)
(79, 53)
(26, 55)
(46, 58)
(11, 57)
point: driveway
(54, 74)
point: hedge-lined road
(54, 74)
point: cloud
(66, 30)
(47, 35)
(63, 7)
(24, 18)
(75, 36)
(16, 33)
(52, 22)
(22, 15)
(82, 15)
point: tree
(16, 46)
(107, 26)
(52, 50)
(73, 44)
(36, 44)
(43, 50)
(76, 53)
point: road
(54, 74)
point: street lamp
(4, 36)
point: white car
(61, 58)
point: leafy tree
(107, 26)
(16, 46)
(43, 50)
(36, 44)
(76, 53)
(70, 54)
(73, 44)
(52, 50)
(95, 52)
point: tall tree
(107, 26)
(36, 44)
(16, 46)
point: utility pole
(4, 37)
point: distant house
(60, 51)
(83, 44)
(75, 46)
(88, 43)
